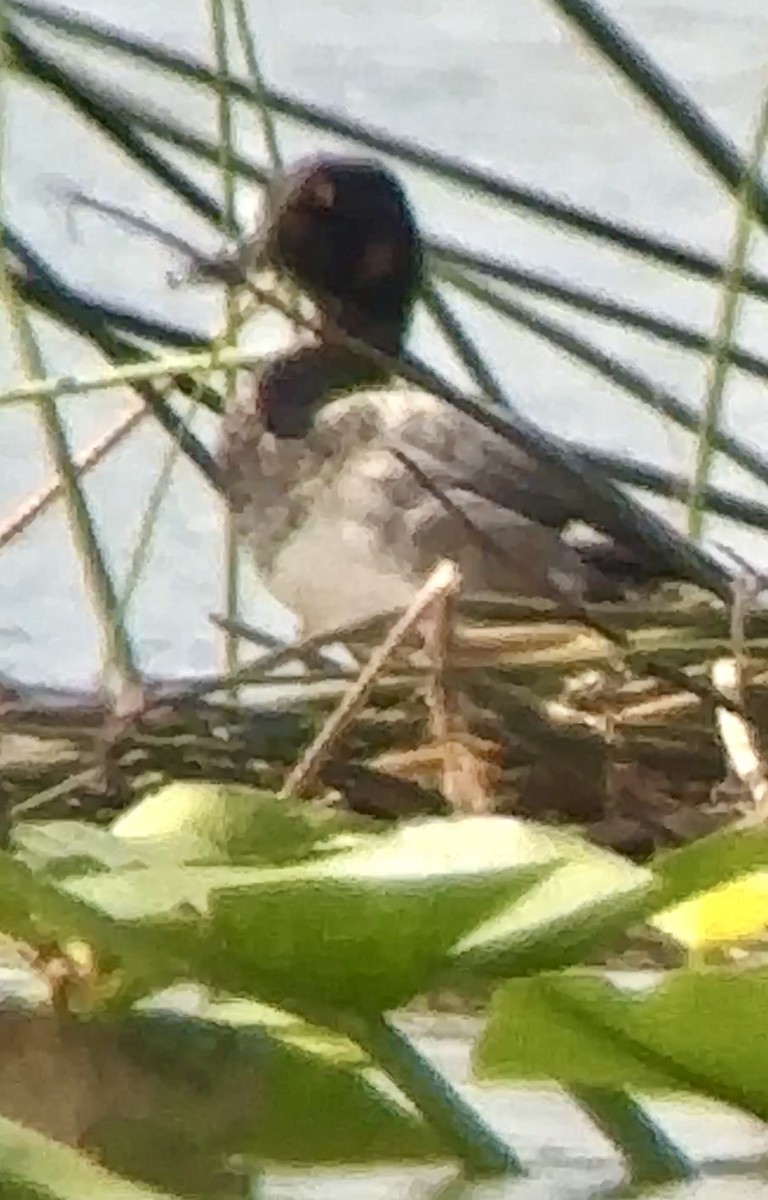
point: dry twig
(443, 581)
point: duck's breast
(274, 485)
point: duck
(348, 485)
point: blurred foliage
(295, 962)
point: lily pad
(732, 912)
(253, 1083)
(220, 822)
(596, 896)
(558, 918)
(695, 1031)
(33, 1167)
(363, 930)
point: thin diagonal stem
(257, 80)
(652, 1158)
(41, 501)
(452, 170)
(142, 547)
(729, 315)
(218, 18)
(624, 375)
(461, 1128)
(676, 107)
(118, 651)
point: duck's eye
(379, 260)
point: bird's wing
(462, 457)
(371, 531)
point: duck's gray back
(341, 529)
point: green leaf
(35, 910)
(710, 861)
(163, 897)
(33, 1167)
(447, 848)
(170, 1098)
(250, 1081)
(222, 822)
(181, 823)
(558, 918)
(733, 912)
(589, 902)
(699, 1032)
(537, 1030)
(370, 928)
(64, 848)
(30, 905)
(362, 930)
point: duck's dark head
(343, 229)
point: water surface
(505, 86)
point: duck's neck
(294, 386)
(382, 328)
